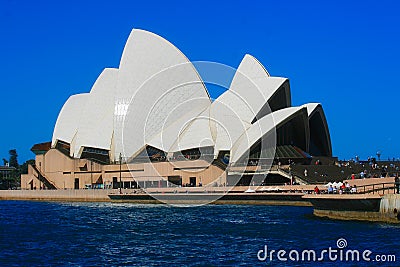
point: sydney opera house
(152, 123)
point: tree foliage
(24, 166)
(11, 179)
(13, 158)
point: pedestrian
(316, 190)
(397, 184)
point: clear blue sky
(344, 54)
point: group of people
(345, 188)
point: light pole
(91, 174)
(120, 173)
(379, 155)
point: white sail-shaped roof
(235, 110)
(264, 126)
(95, 127)
(196, 134)
(157, 85)
(157, 98)
(253, 84)
(68, 119)
(323, 132)
(227, 123)
(311, 107)
(170, 139)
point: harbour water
(123, 234)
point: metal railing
(380, 187)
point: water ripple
(124, 234)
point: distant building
(5, 176)
(151, 123)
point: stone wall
(57, 195)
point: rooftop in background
(41, 148)
(6, 168)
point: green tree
(12, 179)
(24, 166)
(13, 158)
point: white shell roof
(196, 134)
(153, 69)
(170, 138)
(230, 114)
(261, 128)
(253, 84)
(227, 122)
(311, 107)
(233, 112)
(68, 118)
(317, 107)
(95, 127)
(157, 98)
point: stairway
(285, 173)
(43, 179)
(219, 164)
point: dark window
(76, 183)
(192, 181)
(115, 183)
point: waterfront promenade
(57, 195)
(374, 201)
(244, 195)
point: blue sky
(342, 54)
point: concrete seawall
(390, 207)
(287, 199)
(389, 211)
(57, 195)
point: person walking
(397, 184)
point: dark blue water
(110, 234)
